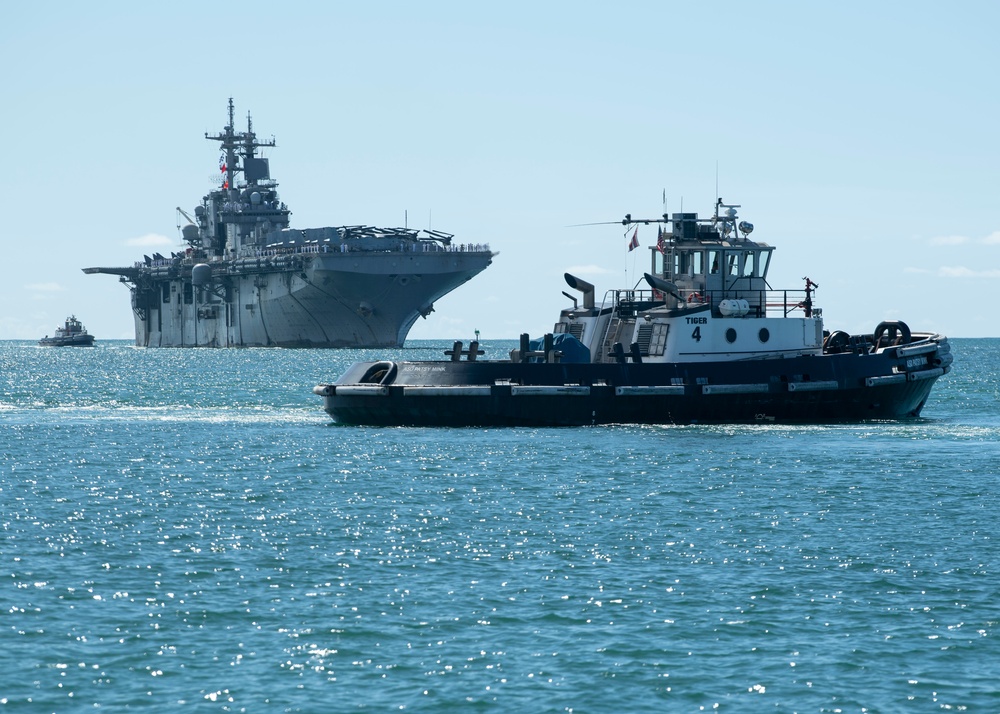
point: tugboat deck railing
(763, 303)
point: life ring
(696, 297)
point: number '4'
(697, 334)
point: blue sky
(860, 139)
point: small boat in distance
(708, 340)
(71, 334)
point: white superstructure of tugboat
(706, 340)
(72, 333)
(247, 279)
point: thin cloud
(992, 239)
(947, 271)
(45, 287)
(948, 240)
(587, 270)
(150, 240)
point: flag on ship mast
(634, 243)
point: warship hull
(298, 300)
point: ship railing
(763, 303)
(316, 247)
(781, 303)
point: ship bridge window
(763, 261)
(698, 262)
(682, 260)
(188, 294)
(714, 261)
(740, 263)
(165, 290)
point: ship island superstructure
(245, 278)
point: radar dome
(201, 274)
(255, 198)
(190, 233)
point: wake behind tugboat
(707, 341)
(248, 280)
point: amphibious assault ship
(246, 279)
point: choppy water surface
(187, 528)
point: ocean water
(186, 529)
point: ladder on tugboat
(611, 335)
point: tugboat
(247, 279)
(706, 340)
(71, 334)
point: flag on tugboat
(634, 243)
(661, 239)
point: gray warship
(246, 279)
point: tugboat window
(733, 264)
(763, 264)
(764, 335)
(730, 335)
(713, 256)
(680, 263)
(698, 262)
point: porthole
(730, 335)
(763, 335)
